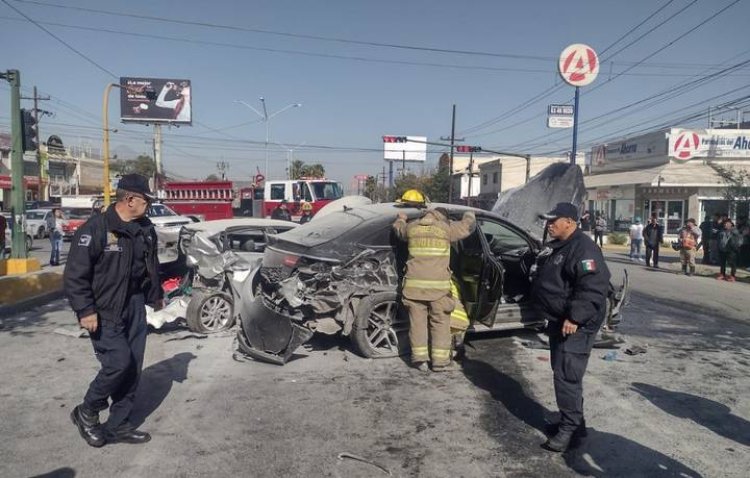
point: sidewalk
(669, 259)
(20, 292)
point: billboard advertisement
(685, 144)
(155, 100)
(405, 148)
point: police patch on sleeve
(588, 265)
(84, 240)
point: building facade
(674, 173)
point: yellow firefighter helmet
(413, 197)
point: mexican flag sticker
(588, 265)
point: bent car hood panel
(560, 182)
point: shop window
(494, 177)
(675, 217)
(484, 179)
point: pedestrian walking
(3, 228)
(570, 292)
(689, 236)
(600, 227)
(653, 236)
(728, 246)
(54, 228)
(636, 240)
(112, 272)
(426, 292)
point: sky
(364, 69)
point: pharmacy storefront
(670, 173)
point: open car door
(490, 284)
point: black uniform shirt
(572, 282)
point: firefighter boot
(88, 426)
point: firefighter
(459, 322)
(427, 282)
(306, 213)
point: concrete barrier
(19, 292)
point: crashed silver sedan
(340, 273)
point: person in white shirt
(181, 105)
(636, 240)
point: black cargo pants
(120, 349)
(569, 357)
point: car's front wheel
(209, 311)
(381, 326)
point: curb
(18, 293)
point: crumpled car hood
(560, 182)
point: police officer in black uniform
(111, 273)
(570, 291)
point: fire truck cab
(316, 191)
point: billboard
(685, 144)
(155, 100)
(405, 148)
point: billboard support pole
(575, 128)
(390, 173)
(157, 156)
(403, 163)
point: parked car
(340, 273)
(75, 217)
(36, 222)
(9, 238)
(215, 260)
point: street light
(105, 141)
(266, 118)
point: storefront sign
(708, 143)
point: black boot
(560, 442)
(88, 426)
(692, 270)
(684, 270)
(125, 433)
(553, 428)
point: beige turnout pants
(430, 329)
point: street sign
(560, 110)
(559, 122)
(361, 177)
(578, 65)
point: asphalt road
(680, 409)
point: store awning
(644, 176)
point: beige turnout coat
(428, 274)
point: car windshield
(326, 190)
(160, 210)
(77, 213)
(35, 215)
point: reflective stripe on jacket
(459, 317)
(428, 265)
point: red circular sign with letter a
(686, 145)
(578, 65)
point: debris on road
(76, 333)
(352, 456)
(635, 350)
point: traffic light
(29, 130)
(394, 139)
(468, 149)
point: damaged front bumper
(268, 336)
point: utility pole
(222, 167)
(19, 262)
(43, 191)
(453, 140)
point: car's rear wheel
(209, 311)
(381, 326)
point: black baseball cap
(563, 209)
(135, 183)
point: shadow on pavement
(604, 454)
(64, 472)
(156, 383)
(713, 415)
(600, 454)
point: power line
(67, 45)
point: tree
(313, 170)
(296, 169)
(212, 177)
(144, 165)
(736, 185)
(437, 189)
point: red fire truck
(316, 191)
(208, 199)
